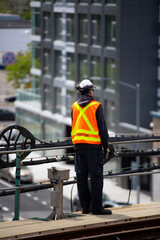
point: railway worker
(89, 133)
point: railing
(30, 97)
(24, 143)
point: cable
(130, 189)
(71, 198)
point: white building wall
(14, 40)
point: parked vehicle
(6, 115)
(9, 174)
(11, 98)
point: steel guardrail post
(57, 175)
(17, 184)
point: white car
(9, 174)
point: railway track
(135, 222)
(126, 230)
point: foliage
(20, 7)
(18, 71)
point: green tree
(20, 7)
(19, 70)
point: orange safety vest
(84, 125)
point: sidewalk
(5, 89)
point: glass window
(58, 26)
(96, 1)
(95, 30)
(47, 25)
(70, 27)
(110, 115)
(70, 101)
(53, 132)
(58, 64)
(83, 28)
(83, 1)
(47, 98)
(30, 122)
(70, 66)
(70, 1)
(58, 100)
(47, 61)
(58, 1)
(36, 55)
(111, 1)
(111, 31)
(36, 21)
(96, 69)
(111, 74)
(35, 84)
(83, 64)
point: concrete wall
(14, 40)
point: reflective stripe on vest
(81, 135)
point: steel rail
(33, 149)
(36, 187)
(71, 157)
(132, 234)
(130, 175)
(45, 160)
(132, 229)
(152, 152)
(68, 144)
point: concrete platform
(36, 229)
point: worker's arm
(103, 132)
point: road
(32, 204)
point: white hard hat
(85, 85)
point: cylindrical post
(17, 184)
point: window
(111, 1)
(111, 74)
(30, 122)
(96, 70)
(110, 115)
(47, 25)
(58, 1)
(58, 64)
(47, 98)
(96, 2)
(36, 55)
(83, 28)
(58, 26)
(83, 64)
(35, 84)
(70, 100)
(36, 22)
(58, 100)
(70, 67)
(70, 27)
(83, 1)
(70, 1)
(47, 61)
(111, 31)
(95, 30)
(52, 132)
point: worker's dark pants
(89, 162)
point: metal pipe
(17, 184)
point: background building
(110, 42)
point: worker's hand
(109, 153)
